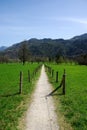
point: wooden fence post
(28, 75)
(57, 77)
(21, 82)
(52, 73)
(64, 81)
(49, 70)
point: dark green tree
(23, 52)
(58, 57)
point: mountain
(2, 48)
(78, 45)
(48, 47)
(81, 37)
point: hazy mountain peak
(2, 48)
(83, 36)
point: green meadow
(13, 104)
(73, 105)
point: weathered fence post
(49, 70)
(52, 73)
(28, 75)
(64, 78)
(57, 77)
(21, 82)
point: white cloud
(77, 20)
(70, 19)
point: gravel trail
(41, 113)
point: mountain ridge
(48, 47)
(2, 48)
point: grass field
(74, 103)
(12, 104)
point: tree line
(24, 55)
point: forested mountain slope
(51, 47)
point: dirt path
(41, 113)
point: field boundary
(62, 83)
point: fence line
(29, 76)
(21, 82)
(62, 83)
(57, 77)
(64, 87)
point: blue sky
(24, 19)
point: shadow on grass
(57, 94)
(52, 82)
(10, 95)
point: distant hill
(2, 48)
(51, 47)
(81, 37)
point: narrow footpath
(41, 113)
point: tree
(23, 52)
(81, 59)
(4, 59)
(59, 56)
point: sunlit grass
(12, 104)
(74, 103)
